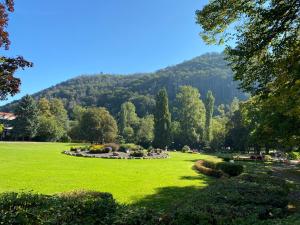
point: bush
(186, 148)
(76, 208)
(137, 216)
(210, 164)
(114, 147)
(294, 155)
(232, 201)
(138, 153)
(244, 200)
(201, 166)
(268, 158)
(256, 157)
(130, 147)
(231, 169)
(78, 148)
(99, 149)
(226, 159)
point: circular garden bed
(115, 151)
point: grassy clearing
(41, 168)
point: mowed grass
(42, 168)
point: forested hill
(207, 72)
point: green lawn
(40, 167)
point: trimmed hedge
(231, 169)
(203, 167)
(231, 201)
(218, 169)
(243, 200)
(76, 208)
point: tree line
(265, 59)
(193, 121)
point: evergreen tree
(26, 122)
(209, 105)
(191, 115)
(162, 120)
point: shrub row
(218, 169)
(203, 168)
(244, 200)
(232, 169)
(76, 208)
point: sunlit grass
(42, 168)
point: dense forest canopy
(207, 72)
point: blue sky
(65, 39)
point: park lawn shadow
(165, 198)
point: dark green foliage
(97, 125)
(137, 216)
(139, 153)
(265, 60)
(233, 200)
(266, 34)
(162, 121)
(207, 72)
(26, 123)
(232, 169)
(209, 170)
(237, 132)
(78, 208)
(246, 200)
(190, 113)
(218, 169)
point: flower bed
(114, 151)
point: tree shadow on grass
(166, 198)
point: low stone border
(122, 155)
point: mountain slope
(207, 72)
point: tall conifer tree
(26, 122)
(209, 105)
(162, 120)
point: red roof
(7, 116)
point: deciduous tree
(191, 115)
(97, 125)
(9, 84)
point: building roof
(7, 116)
